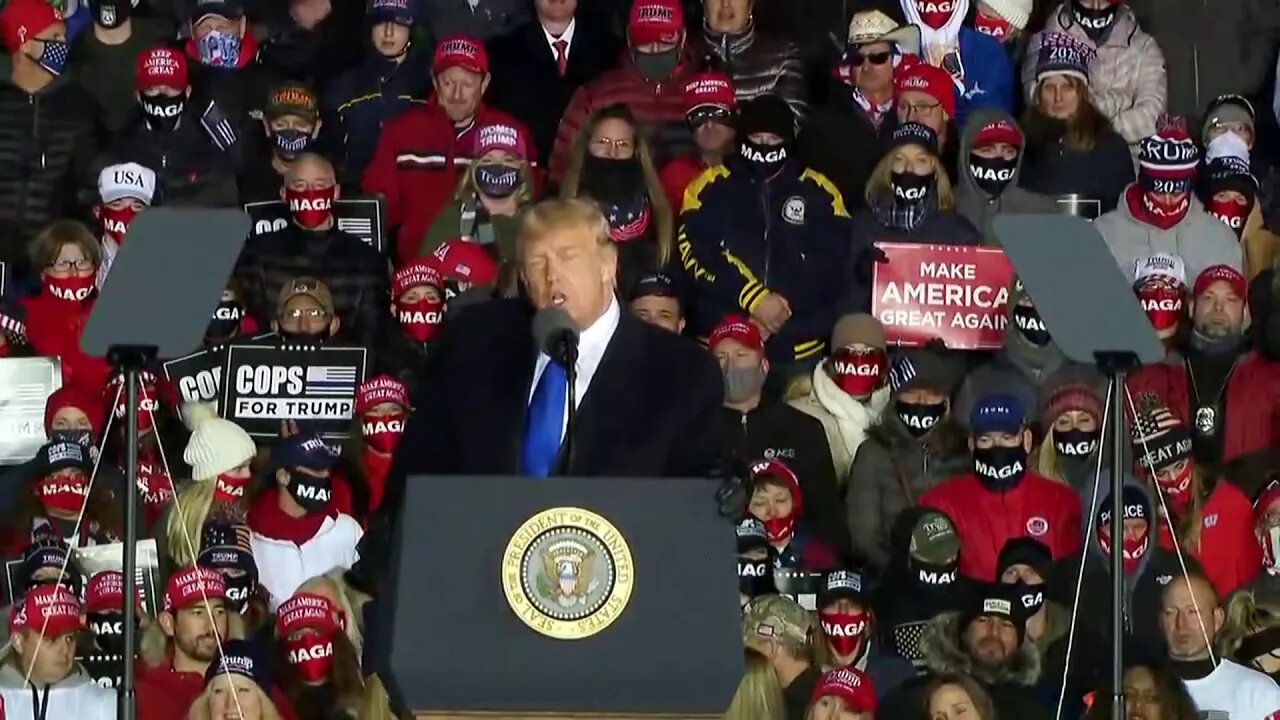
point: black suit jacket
(652, 408)
(526, 81)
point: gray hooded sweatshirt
(972, 201)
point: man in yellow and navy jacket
(765, 236)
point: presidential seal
(567, 573)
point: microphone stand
(568, 357)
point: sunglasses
(709, 114)
(856, 58)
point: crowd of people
(950, 509)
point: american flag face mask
(53, 56)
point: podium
(561, 598)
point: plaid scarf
(899, 215)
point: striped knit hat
(1167, 161)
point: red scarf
(268, 520)
(376, 467)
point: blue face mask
(218, 49)
(497, 181)
(290, 142)
(53, 56)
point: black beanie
(768, 114)
(996, 600)
(1137, 505)
(1025, 551)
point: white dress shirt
(566, 36)
(591, 345)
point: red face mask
(116, 221)
(156, 487)
(1230, 212)
(935, 13)
(1163, 305)
(780, 530)
(147, 407)
(311, 656)
(70, 289)
(844, 631)
(64, 494)
(997, 28)
(420, 320)
(858, 372)
(382, 432)
(1165, 214)
(229, 489)
(1133, 549)
(310, 208)
(1177, 492)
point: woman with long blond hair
(1071, 423)
(909, 199)
(1212, 518)
(492, 192)
(1072, 150)
(611, 163)
(759, 695)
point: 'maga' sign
(263, 386)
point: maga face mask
(382, 432)
(70, 289)
(919, 418)
(420, 320)
(1031, 325)
(1075, 443)
(163, 111)
(311, 656)
(858, 372)
(910, 188)
(310, 208)
(1163, 304)
(845, 631)
(1000, 468)
(64, 494)
(115, 221)
(310, 492)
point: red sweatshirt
(1229, 553)
(417, 166)
(676, 176)
(1037, 508)
(54, 327)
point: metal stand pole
(130, 361)
(1117, 367)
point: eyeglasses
(299, 313)
(68, 265)
(920, 108)
(856, 58)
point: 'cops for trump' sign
(264, 386)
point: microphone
(556, 335)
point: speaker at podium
(562, 597)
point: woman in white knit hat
(1006, 21)
(219, 454)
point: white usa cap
(127, 180)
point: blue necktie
(545, 422)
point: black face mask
(1096, 22)
(108, 631)
(1031, 596)
(163, 111)
(1075, 443)
(1000, 468)
(992, 175)
(610, 179)
(755, 577)
(1216, 346)
(910, 188)
(226, 320)
(241, 588)
(300, 338)
(84, 437)
(312, 493)
(931, 576)
(1027, 318)
(764, 160)
(112, 14)
(656, 67)
(919, 418)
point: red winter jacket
(1229, 553)
(1253, 401)
(417, 166)
(676, 176)
(658, 107)
(1038, 508)
(164, 694)
(54, 327)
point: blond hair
(759, 694)
(1245, 616)
(878, 183)
(200, 706)
(185, 525)
(571, 185)
(548, 216)
(1047, 459)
